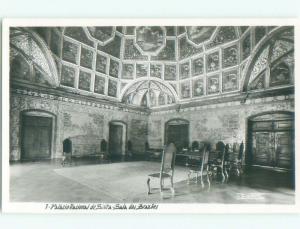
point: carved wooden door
(283, 149)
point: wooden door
(36, 137)
(178, 134)
(262, 151)
(284, 149)
(273, 149)
(115, 139)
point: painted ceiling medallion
(200, 34)
(103, 35)
(150, 39)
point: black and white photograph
(155, 116)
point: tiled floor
(38, 182)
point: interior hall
(160, 114)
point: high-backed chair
(201, 167)
(236, 162)
(166, 169)
(67, 152)
(217, 157)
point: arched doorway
(37, 135)
(117, 138)
(177, 131)
(271, 140)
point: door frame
(124, 134)
(38, 113)
(187, 122)
(248, 142)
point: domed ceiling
(157, 66)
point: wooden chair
(236, 163)
(67, 152)
(201, 167)
(166, 169)
(217, 157)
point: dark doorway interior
(177, 131)
(36, 137)
(115, 139)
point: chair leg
(201, 179)
(226, 174)
(172, 186)
(148, 184)
(161, 185)
(208, 180)
(189, 177)
(222, 173)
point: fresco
(127, 71)
(167, 53)
(170, 30)
(67, 76)
(280, 74)
(184, 70)
(198, 87)
(198, 66)
(186, 49)
(101, 63)
(185, 90)
(260, 32)
(150, 38)
(246, 46)
(131, 52)
(230, 56)
(280, 48)
(40, 77)
(230, 80)
(213, 62)
(200, 34)
(161, 99)
(102, 34)
(70, 52)
(152, 98)
(213, 84)
(19, 68)
(84, 81)
(114, 68)
(99, 84)
(112, 88)
(156, 70)
(78, 34)
(113, 48)
(170, 71)
(141, 70)
(224, 35)
(55, 44)
(86, 58)
(258, 82)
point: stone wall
(79, 121)
(217, 122)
